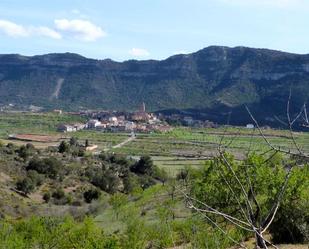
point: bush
(25, 185)
(146, 182)
(64, 147)
(117, 201)
(47, 166)
(36, 178)
(130, 182)
(91, 194)
(73, 141)
(58, 194)
(51, 232)
(291, 223)
(25, 151)
(182, 175)
(46, 197)
(106, 180)
(144, 166)
(10, 148)
(160, 174)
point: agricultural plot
(102, 139)
(172, 150)
(191, 147)
(33, 123)
(38, 124)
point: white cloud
(139, 52)
(13, 29)
(80, 29)
(45, 31)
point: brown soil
(35, 138)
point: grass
(39, 123)
(149, 202)
(172, 151)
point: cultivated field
(172, 150)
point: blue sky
(150, 29)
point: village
(114, 121)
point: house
(140, 116)
(93, 123)
(116, 128)
(130, 126)
(66, 128)
(58, 111)
(188, 120)
(121, 118)
(113, 119)
(250, 126)
(79, 126)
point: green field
(157, 212)
(173, 150)
(190, 147)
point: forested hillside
(211, 82)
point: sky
(150, 29)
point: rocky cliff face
(212, 80)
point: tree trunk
(260, 242)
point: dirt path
(128, 140)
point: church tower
(143, 107)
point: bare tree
(249, 217)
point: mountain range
(211, 83)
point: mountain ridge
(216, 78)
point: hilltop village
(114, 121)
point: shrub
(23, 152)
(63, 147)
(46, 197)
(47, 166)
(182, 175)
(117, 201)
(10, 148)
(58, 194)
(91, 194)
(144, 166)
(160, 174)
(36, 178)
(51, 232)
(130, 182)
(73, 141)
(266, 177)
(25, 185)
(146, 181)
(106, 180)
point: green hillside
(212, 81)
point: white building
(250, 126)
(93, 123)
(66, 128)
(112, 119)
(188, 120)
(130, 126)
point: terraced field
(172, 151)
(191, 147)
